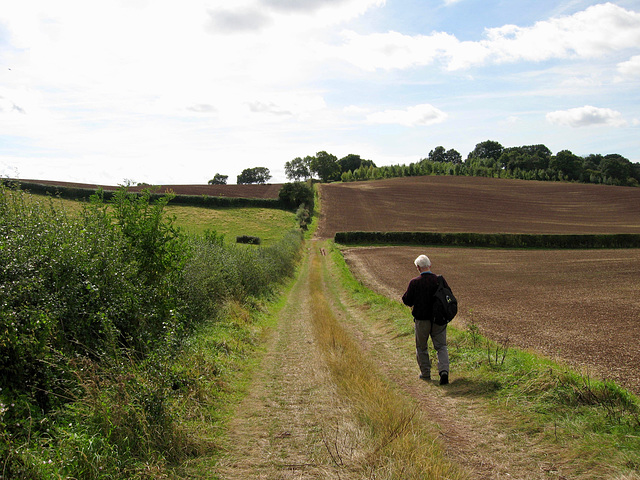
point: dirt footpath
(293, 423)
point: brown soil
(579, 306)
(240, 191)
(475, 204)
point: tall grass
(96, 308)
(402, 445)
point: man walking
(419, 296)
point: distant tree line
(249, 175)
(324, 166)
(488, 159)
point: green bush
(248, 239)
(66, 287)
(295, 194)
(95, 309)
(303, 217)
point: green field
(268, 224)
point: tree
(635, 171)
(298, 168)
(593, 161)
(296, 194)
(616, 167)
(254, 175)
(352, 162)
(326, 166)
(568, 164)
(453, 156)
(368, 163)
(438, 154)
(219, 179)
(486, 149)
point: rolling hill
(478, 204)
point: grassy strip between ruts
(401, 446)
(593, 425)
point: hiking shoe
(444, 378)
(425, 377)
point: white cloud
(586, 116)
(355, 110)
(630, 68)
(418, 115)
(347, 7)
(237, 21)
(242, 16)
(392, 50)
(152, 59)
(598, 30)
(594, 32)
(130, 87)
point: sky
(168, 92)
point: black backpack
(445, 305)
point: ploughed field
(475, 204)
(578, 306)
(240, 191)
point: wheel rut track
(289, 422)
(468, 432)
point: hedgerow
(206, 201)
(94, 310)
(500, 240)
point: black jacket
(419, 295)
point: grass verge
(220, 359)
(593, 425)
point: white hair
(422, 261)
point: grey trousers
(438, 333)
